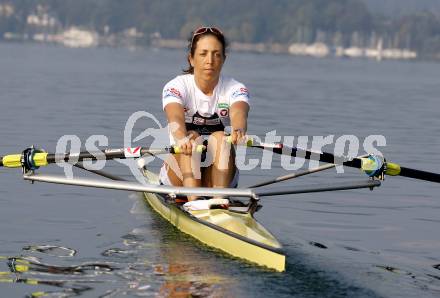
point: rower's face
(208, 57)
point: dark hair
(192, 44)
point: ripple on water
(118, 253)
(52, 250)
(318, 245)
(339, 227)
(133, 270)
(428, 220)
(424, 281)
(64, 221)
(337, 212)
(72, 279)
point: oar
(296, 175)
(99, 172)
(371, 165)
(32, 158)
(293, 175)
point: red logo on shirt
(172, 92)
(175, 92)
(224, 112)
(242, 92)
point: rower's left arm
(239, 114)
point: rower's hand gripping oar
(31, 158)
(373, 166)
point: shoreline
(315, 50)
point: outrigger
(233, 230)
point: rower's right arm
(176, 119)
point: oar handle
(178, 150)
(249, 141)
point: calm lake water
(92, 242)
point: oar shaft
(39, 159)
(319, 156)
(418, 174)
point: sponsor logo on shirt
(202, 121)
(224, 112)
(198, 121)
(223, 106)
(241, 92)
(214, 121)
(172, 92)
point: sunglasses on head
(203, 30)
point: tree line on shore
(335, 22)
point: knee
(218, 135)
(218, 140)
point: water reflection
(67, 288)
(158, 260)
(183, 267)
(182, 280)
(73, 280)
(174, 266)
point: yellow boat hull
(237, 234)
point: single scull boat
(234, 231)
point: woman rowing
(202, 103)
